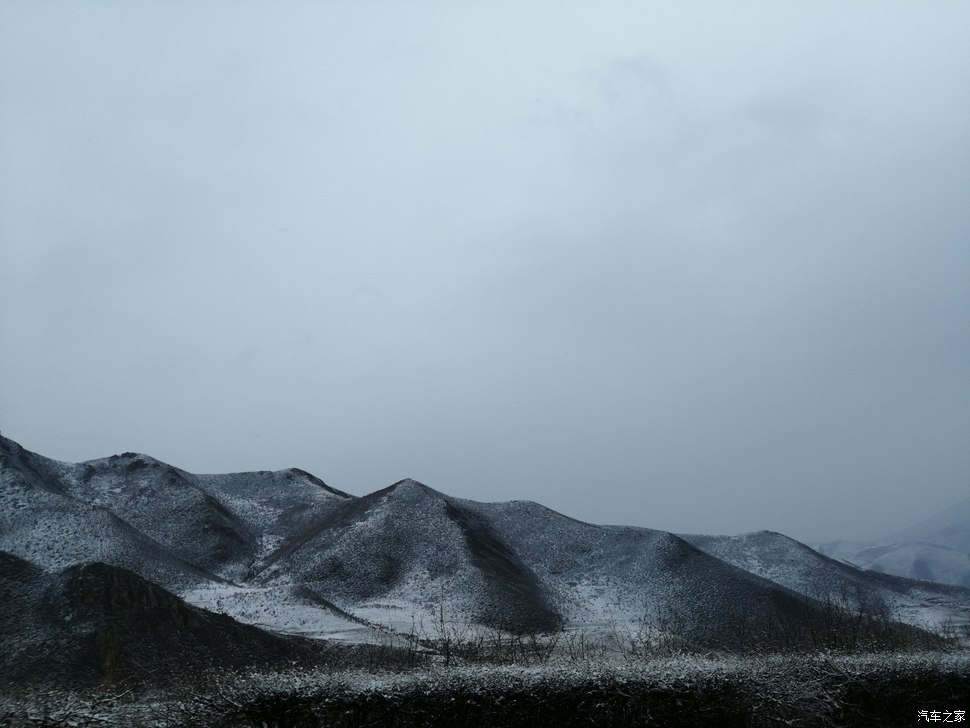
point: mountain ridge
(283, 551)
(933, 549)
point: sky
(701, 267)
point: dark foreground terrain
(805, 690)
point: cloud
(693, 268)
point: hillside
(97, 624)
(792, 564)
(934, 549)
(286, 553)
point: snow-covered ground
(277, 608)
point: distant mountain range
(120, 564)
(936, 549)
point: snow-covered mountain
(949, 528)
(792, 564)
(285, 552)
(936, 549)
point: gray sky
(702, 267)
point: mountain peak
(412, 487)
(410, 483)
(303, 474)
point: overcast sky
(702, 267)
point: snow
(276, 608)
(772, 689)
(282, 551)
(804, 570)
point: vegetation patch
(773, 690)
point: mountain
(915, 560)
(94, 624)
(949, 528)
(411, 546)
(935, 549)
(409, 552)
(795, 565)
(47, 521)
(211, 525)
(131, 541)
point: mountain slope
(93, 624)
(41, 521)
(935, 549)
(636, 580)
(284, 551)
(117, 508)
(166, 505)
(412, 546)
(949, 528)
(913, 560)
(790, 563)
